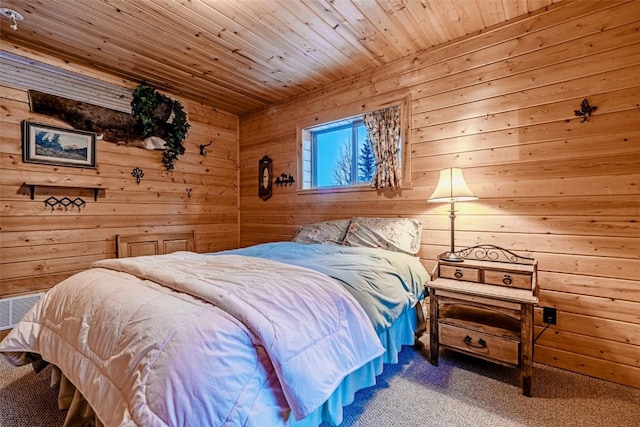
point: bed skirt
(79, 412)
(402, 332)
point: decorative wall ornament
(137, 173)
(284, 180)
(56, 146)
(202, 148)
(585, 110)
(265, 186)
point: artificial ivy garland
(152, 110)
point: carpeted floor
(463, 391)
(26, 400)
(460, 392)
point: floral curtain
(383, 128)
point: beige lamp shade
(451, 187)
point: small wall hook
(284, 179)
(64, 203)
(189, 192)
(202, 148)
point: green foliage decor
(153, 109)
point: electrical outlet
(549, 315)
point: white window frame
(310, 146)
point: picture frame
(265, 182)
(52, 145)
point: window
(337, 154)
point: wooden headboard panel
(154, 244)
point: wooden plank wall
(39, 247)
(500, 104)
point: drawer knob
(458, 273)
(481, 343)
(507, 279)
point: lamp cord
(541, 332)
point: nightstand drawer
(475, 342)
(513, 280)
(460, 273)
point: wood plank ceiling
(242, 55)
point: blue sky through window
(329, 143)
(328, 146)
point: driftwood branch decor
(146, 128)
(113, 126)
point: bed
(274, 334)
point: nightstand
(483, 307)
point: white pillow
(323, 232)
(394, 234)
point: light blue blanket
(385, 283)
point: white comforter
(270, 337)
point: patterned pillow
(323, 232)
(394, 234)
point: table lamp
(452, 188)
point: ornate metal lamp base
(452, 257)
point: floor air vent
(13, 309)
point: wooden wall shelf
(32, 188)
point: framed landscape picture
(52, 145)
